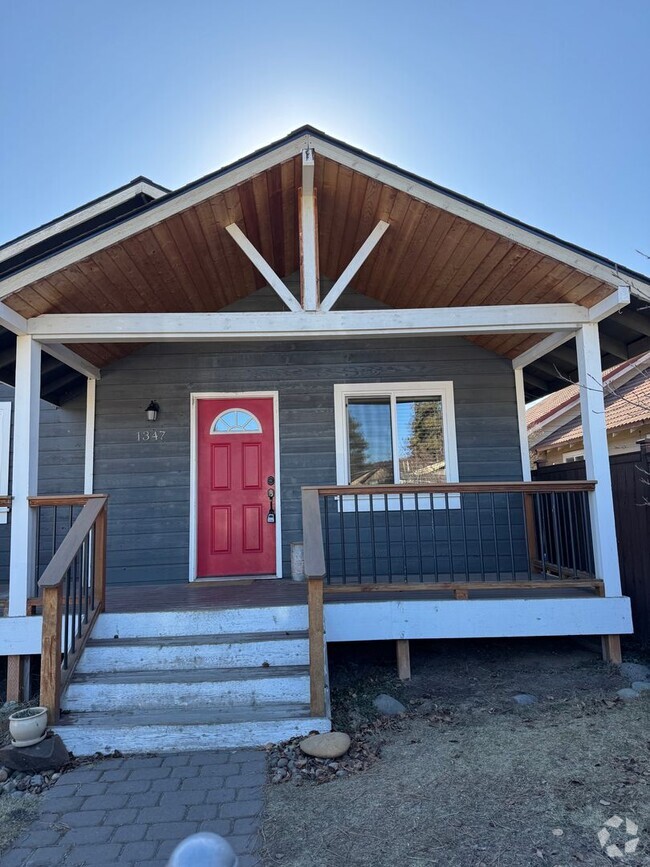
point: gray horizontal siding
(61, 457)
(149, 482)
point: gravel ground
(467, 778)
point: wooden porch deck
(266, 593)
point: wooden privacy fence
(72, 593)
(631, 492)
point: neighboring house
(309, 361)
(555, 428)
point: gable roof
(443, 249)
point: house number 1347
(147, 436)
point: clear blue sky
(539, 108)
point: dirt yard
(468, 778)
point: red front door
(236, 470)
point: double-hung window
(395, 434)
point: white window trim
(393, 390)
(5, 442)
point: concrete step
(167, 729)
(215, 687)
(252, 649)
(213, 621)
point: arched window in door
(234, 421)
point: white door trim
(221, 395)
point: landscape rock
(49, 753)
(9, 707)
(635, 670)
(641, 685)
(4, 775)
(525, 698)
(326, 746)
(36, 780)
(627, 694)
(388, 705)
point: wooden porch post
(25, 473)
(601, 504)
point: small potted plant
(28, 726)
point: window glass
(236, 421)
(370, 441)
(420, 440)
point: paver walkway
(134, 811)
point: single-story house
(554, 427)
(310, 363)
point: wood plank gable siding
(61, 458)
(149, 482)
(188, 262)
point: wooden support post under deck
(316, 647)
(13, 678)
(403, 659)
(612, 649)
(51, 653)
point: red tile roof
(626, 405)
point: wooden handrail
(452, 488)
(64, 499)
(5, 502)
(67, 550)
(56, 605)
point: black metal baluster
(463, 518)
(527, 539)
(572, 530)
(589, 548)
(357, 519)
(539, 510)
(419, 528)
(86, 576)
(326, 520)
(556, 534)
(496, 541)
(512, 544)
(37, 563)
(390, 556)
(91, 556)
(74, 569)
(66, 619)
(480, 534)
(434, 546)
(448, 526)
(403, 529)
(344, 574)
(372, 537)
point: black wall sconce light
(152, 411)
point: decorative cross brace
(309, 257)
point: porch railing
(447, 534)
(71, 592)
(452, 537)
